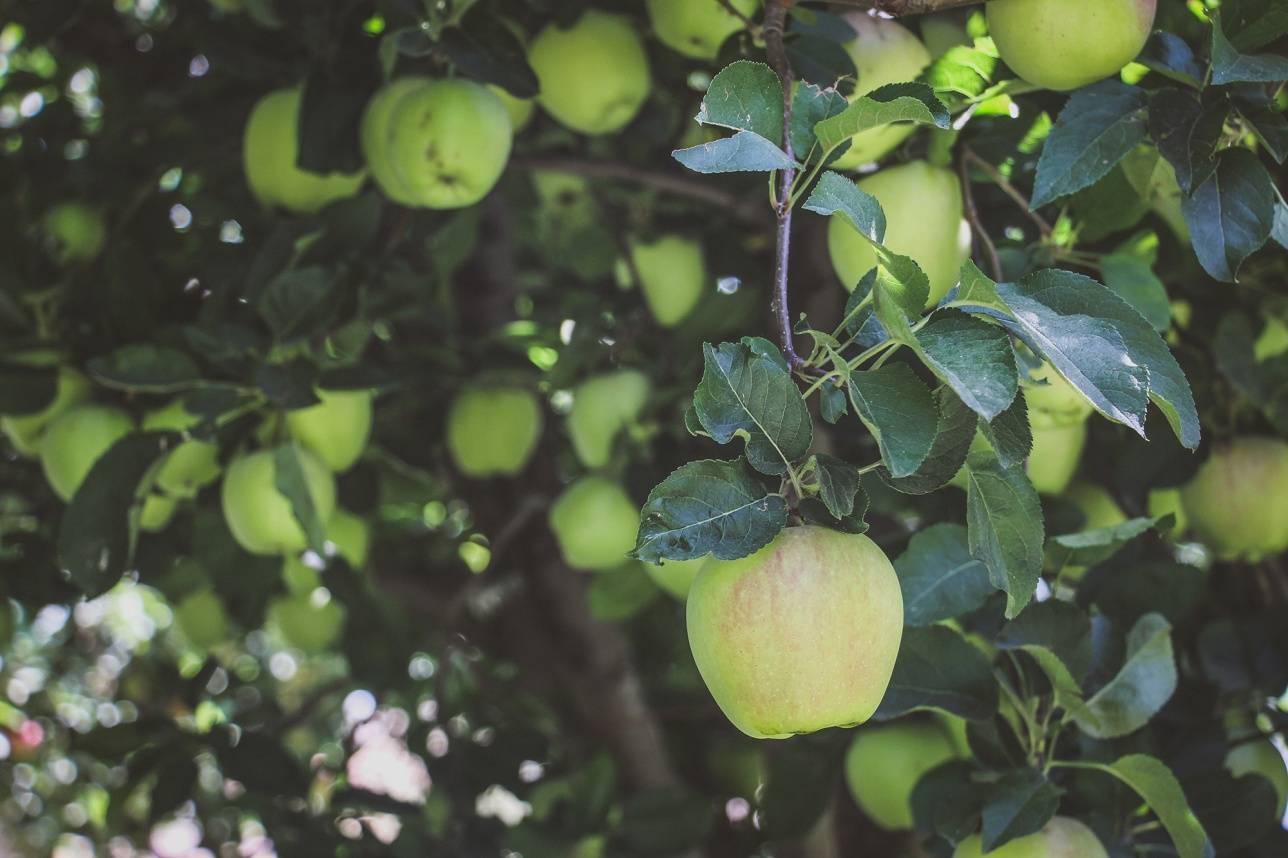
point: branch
(976, 225)
(899, 8)
(969, 158)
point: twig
(976, 225)
(970, 158)
(775, 21)
(907, 7)
(733, 10)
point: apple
(1272, 342)
(493, 431)
(595, 523)
(190, 466)
(1057, 448)
(1062, 45)
(697, 28)
(1098, 507)
(24, 430)
(158, 510)
(799, 636)
(350, 535)
(1162, 501)
(436, 143)
(1050, 394)
(1237, 503)
(943, 32)
(75, 440)
(74, 233)
(270, 148)
(201, 619)
(676, 576)
(594, 75)
(336, 429)
(923, 210)
(884, 52)
(1261, 757)
(259, 515)
(1061, 837)
(885, 762)
(672, 275)
(520, 110)
(309, 622)
(601, 407)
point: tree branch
(976, 224)
(969, 158)
(900, 8)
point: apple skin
(1161, 502)
(1062, 45)
(492, 432)
(885, 762)
(1057, 398)
(601, 407)
(259, 515)
(1272, 342)
(520, 110)
(1062, 837)
(676, 576)
(1098, 507)
(351, 536)
(75, 440)
(1261, 758)
(305, 622)
(270, 147)
(696, 28)
(75, 233)
(336, 429)
(201, 619)
(157, 513)
(673, 275)
(193, 464)
(884, 52)
(25, 430)
(594, 75)
(942, 32)
(595, 523)
(1057, 448)
(923, 209)
(1237, 502)
(436, 143)
(799, 636)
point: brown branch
(977, 225)
(971, 159)
(899, 8)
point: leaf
(810, 105)
(836, 194)
(1099, 125)
(1187, 131)
(745, 96)
(939, 577)
(1232, 214)
(1142, 686)
(484, 48)
(1010, 434)
(176, 779)
(1004, 522)
(1230, 66)
(947, 801)
(260, 763)
(620, 594)
(1020, 803)
(26, 389)
(899, 411)
(299, 302)
(289, 385)
(972, 357)
(708, 507)
(750, 396)
(838, 483)
(1169, 55)
(937, 668)
(288, 475)
(896, 102)
(744, 152)
(145, 368)
(96, 537)
(900, 291)
(1132, 279)
(1093, 547)
(1059, 627)
(954, 431)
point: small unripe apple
(1272, 342)
(436, 143)
(157, 513)
(74, 232)
(309, 622)
(943, 32)
(259, 515)
(602, 407)
(201, 619)
(1098, 507)
(1062, 45)
(594, 75)
(351, 536)
(336, 429)
(672, 273)
(1237, 503)
(676, 576)
(493, 431)
(1056, 398)
(885, 762)
(923, 210)
(190, 466)
(697, 28)
(520, 110)
(1260, 757)
(270, 147)
(1163, 501)
(595, 523)
(799, 636)
(1062, 837)
(1057, 448)
(884, 52)
(25, 430)
(75, 440)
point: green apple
(1163, 501)
(1237, 503)
(1050, 394)
(436, 143)
(799, 636)
(25, 430)
(736, 765)
(885, 762)
(1062, 45)
(672, 273)
(956, 726)
(336, 429)
(1057, 448)
(74, 232)
(1098, 507)
(884, 52)
(520, 110)
(201, 619)
(1272, 342)
(923, 210)
(943, 32)
(1261, 757)
(190, 466)
(158, 510)
(270, 148)
(1062, 837)
(595, 523)
(350, 535)
(259, 515)
(594, 75)
(309, 622)
(697, 28)
(75, 440)
(601, 407)
(493, 431)
(676, 576)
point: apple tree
(614, 428)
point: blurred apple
(672, 273)
(1237, 503)
(71, 388)
(1272, 342)
(1048, 392)
(885, 762)
(943, 32)
(595, 523)
(520, 110)
(1057, 449)
(697, 28)
(74, 232)
(75, 440)
(594, 75)
(309, 622)
(676, 576)
(201, 619)
(351, 536)
(1163, 501)
(336, 429)
(601, 408)
(190, 466)
(1098, 507)
(259, 515)
(157, 513)
(492, 431)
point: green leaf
(1232, 214)
(939, 578)
(1230, 66)
(1187, 130)
(176, 779)
(709, 507)
(836, 194)
(896, 102)
(962, 71)
(145, 368)
(26, 389)
(1145, 683)
(744, 152)
(1132, 278)
(838, 484)
(1019, 804)
(620, 594)
(972, 357)
(1060, 627)
(937, 668)
(954, 431)
(1098, 127)
(750, 396)
(745, 96)
(299, 302)
(1169, 55)
(288, 475)
(1004, 522)
(810, 105)
(900, 291)
(1093, 547)
(1010, 434)
(899, 411)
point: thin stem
(775, 21)
(969, 158)
(976, 224)
(732, 10)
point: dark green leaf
(937, 668)
(299, 302)
(811, 104)
(1010, 434)
(1004, 521)
(745, 96)
(1097, 128)
(1230, 66)
(289, 479)
(1169, 55)
(1132, 278)
(260, 763)
(744, 152)
(174, 785)
(1187, 130)
(899, 411)
(972, 357)
(1145, 683)
(939, 578)
(484, 48)
(26, 389)
(896, 102)
(947, 801)
(838, 483)
(954, 431)
(1092, 547)
(1231, 215)
(835, 194)
(145, 368)
(1061, 628)
(1018, 805)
